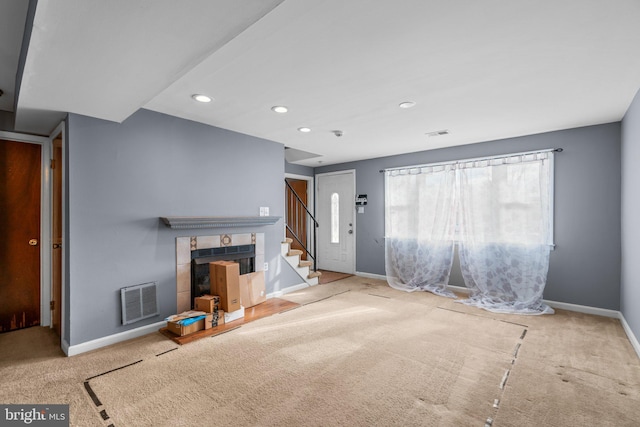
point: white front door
(336, 231)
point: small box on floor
(234, 315)
(206, 303)
(217, 319)
(175, 325)
(252, 289)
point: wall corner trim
(632, 338)
(113, 339)
(65, 347)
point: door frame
(352, 172)
(61, 130)
(45, 215)
(46, 195)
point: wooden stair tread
(288, 240)
(314, 274)
(305, 263)
(294, 252)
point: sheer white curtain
(505, 232)
(419, 219)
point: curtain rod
(475, 159)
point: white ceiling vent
(139, 302)
(438, 133)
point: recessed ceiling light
(304, 129)
(201, 98)
(280, 109)
(406, 104)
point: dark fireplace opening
(245, 255)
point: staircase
(302, 267)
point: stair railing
(297, 218)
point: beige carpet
(331, 276)
(355, 353)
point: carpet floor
(331, 276)
(357, 353)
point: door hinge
(52, 305)
(53, 163)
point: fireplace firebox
(244, 255)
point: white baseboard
(583, 309)
(113, 339)
(554, 304)
(371, 275)
(461, 289)
(632, 338)
(144, 330)
(284, 291)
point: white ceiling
(482, 70)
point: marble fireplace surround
(184, 247)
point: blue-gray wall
(123, 177)
(7, 120)
(585, 266)
(297, 169)
(26, 39)
(630, 282)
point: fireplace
(245, 248)
(244, 255)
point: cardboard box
(208, 321)
(252, 289)
(185, 315)
(234, 315)
(224, 277)
(182, 330)
(206, 303)
(217, 319)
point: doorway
(297, 219)
(20, 246)
(336, 216)
(39, 264)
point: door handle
(33, 242)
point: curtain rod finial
(558, 150)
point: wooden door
(20, 183)
(56, 227)
(296, 215)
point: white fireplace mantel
(192, 222)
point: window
(501, 200)
(498, 210)
(335, 218)
(506, 200)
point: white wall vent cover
(139, 302)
